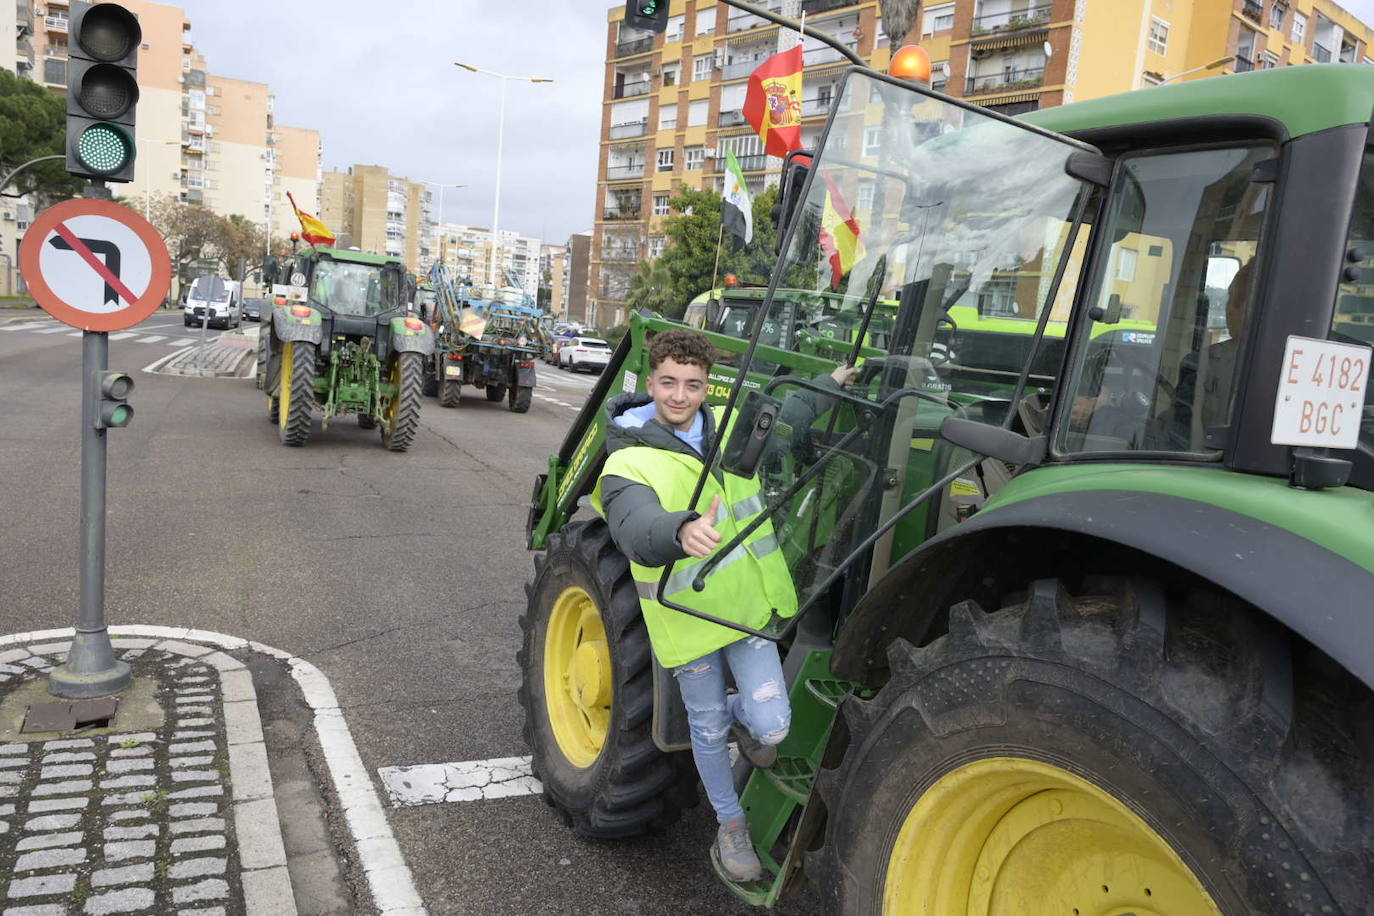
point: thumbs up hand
(699, 537)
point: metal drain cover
(70, 716)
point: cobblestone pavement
(177, 819)
(226, 355)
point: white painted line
(15, 326)
(153, 339)
(76, 333)
(388, 876)
(470, 780)
(60, 327)
(161, 361)
(123, 335)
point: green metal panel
(357, 257)
(1303, 99)
(1338, 519)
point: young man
(656, 444)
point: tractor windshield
(922, 221)
(347, 288)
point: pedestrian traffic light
(650, 15)
(112, 394)
(102, 90)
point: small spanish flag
(313, 229)
(772, 103)
(839, 235)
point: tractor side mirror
(758, 418)
(993, 441)
(1111, 314)
(794, 171)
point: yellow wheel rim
(577, 677)
(1010, 836)
(284, 384)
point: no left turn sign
(95, 265)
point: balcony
(627, 129)
(620, 254)
(1321, 54)
(634, 46)
(818, 56)
(730, 119)
(1011, 21)
(621, 213)
(755, 163)
(1253, 9)
(23, 16)
(1026, 78)
(813, 7)
(629, 90)
(624, 172)
(55, 24)
(1244, 64)
(817, 107)
(740, 69)
(193, 144)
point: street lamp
(147, 182)
(1219, 62)
(500, 131)
(440, 220)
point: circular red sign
(133, 230)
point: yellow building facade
(368, 208)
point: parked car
(215, 300)
(253, 309)
(584, 353)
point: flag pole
(719, 237)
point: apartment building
(369, 208)
(17, 21)
(553, 273)
(579, 276)
(672, 101)
(672, 111)
(298, 170)
(467, 251)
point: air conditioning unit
(720, 58)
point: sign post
(99, 267)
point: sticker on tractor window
(630, 383)
(1321, 393)
(296, 293)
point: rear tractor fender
(291, 322)
(411, 335)
(1313, 591)
(524, 369)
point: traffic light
(112, 394)
(650, 15)
(102, 90)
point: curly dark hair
(683, 346)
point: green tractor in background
(1085, 558)
(342, 339)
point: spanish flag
(313, 229)
(839, 235)
(772, 103)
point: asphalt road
(399, 575)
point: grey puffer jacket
(643, 530)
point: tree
(693, 231)
(33, 123)
(191, 231)
(240, 244)
(651, 288)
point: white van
(219, 299)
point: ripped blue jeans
(761, 705)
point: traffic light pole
(91, 669)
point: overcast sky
(377, 80)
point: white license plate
(1321, 393)
(453, 372)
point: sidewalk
(170, 805)
(227, 356)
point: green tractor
(1085, 558)
(343, 340)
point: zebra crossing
(138, 337)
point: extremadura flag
(736, 208)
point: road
(399, 575)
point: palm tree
(651, 288)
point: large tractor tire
(496, 392)
(403, 414)
(1115, 751)
(295, 392)
(588, 695)
(261, 370)
(521, 396)
(431, 385)
(450, 393)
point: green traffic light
(121, 415)
(104, 149)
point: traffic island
(228, 356)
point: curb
(388, 877)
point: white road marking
(15, 326)
(122, 335)
(388, 876)
(153, 339)
(60, 327)
(76, 333)
(469, 780)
